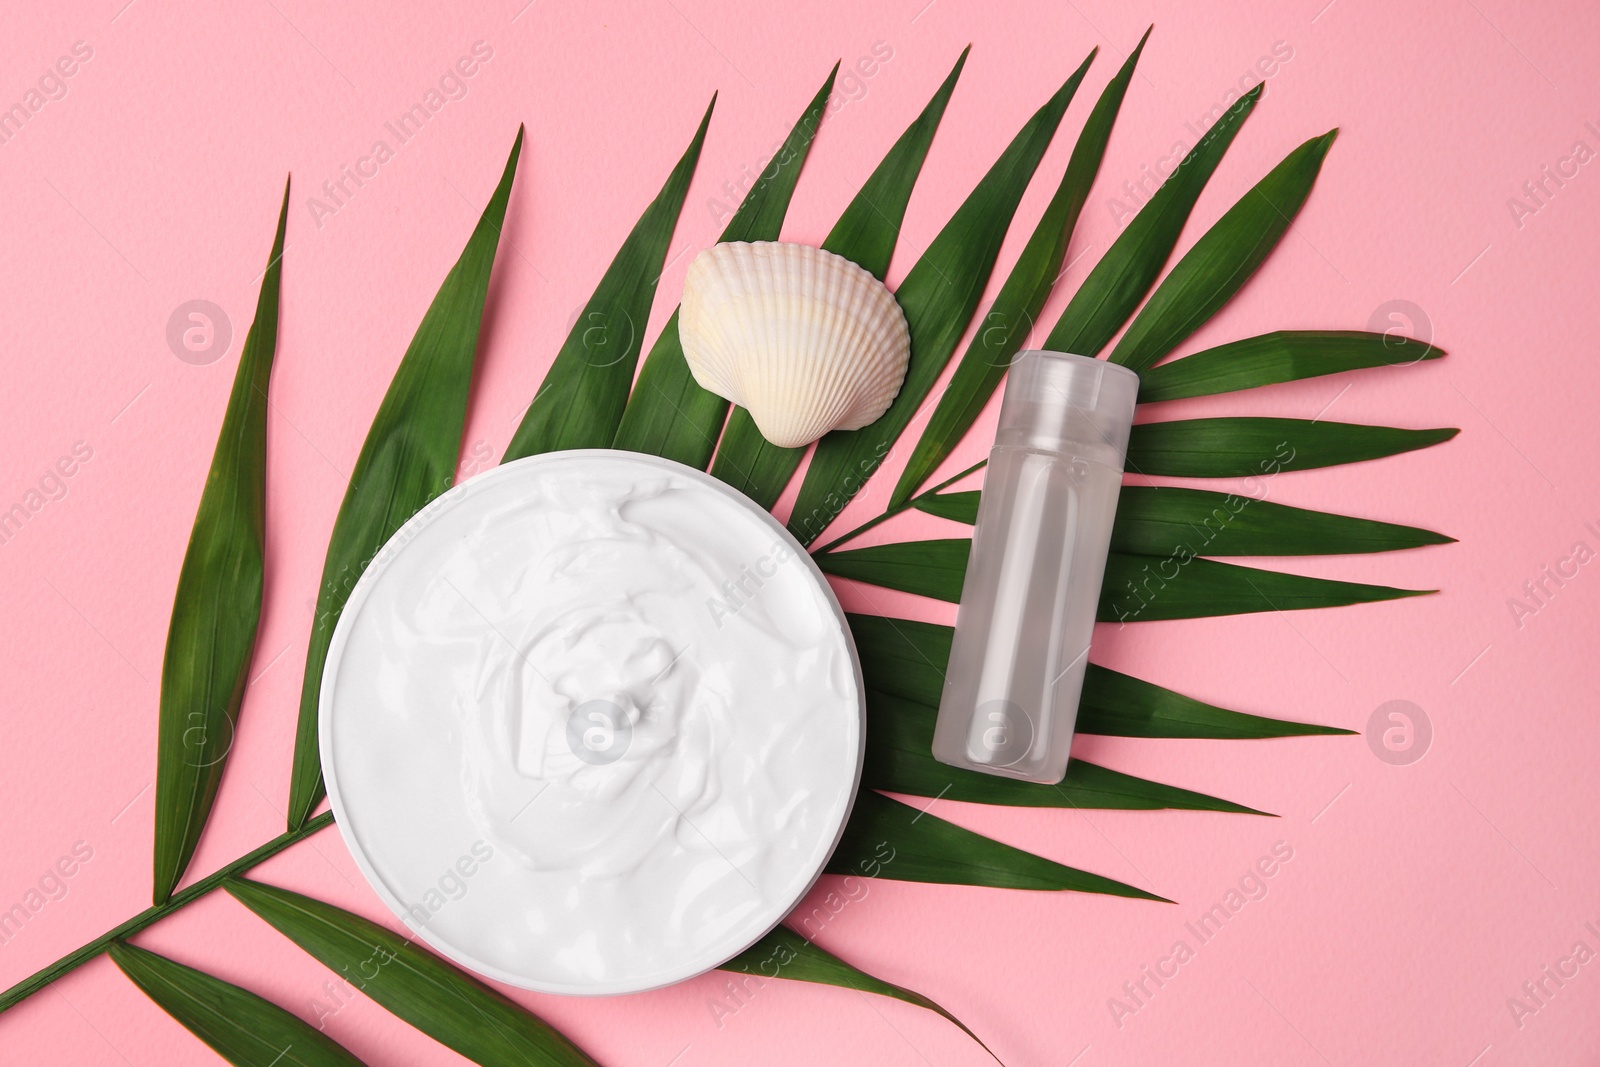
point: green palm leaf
(906, 659)
(783, 953)
(1282, 356)
(1223, 259)
(909, 845)
(1159, 521)
(1119, 705)
(1162, 520)
(218, 603)
(1136, 588)
(409, 458)
(242, 1028)
(668, 414)
(1241, 447)
(433, 995)
(866, 235)
(1122, 277)
(869, 229)
(1010, 319)
(957, 507)
(900, 760)
(585, 391)
(938, 297)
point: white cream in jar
(592, 722)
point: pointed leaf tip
(408, 458)
(1022, 296)
(1119, 282)
(667, 413)
(906, 660)
(217, 607)
(802, 960)
(1223, 259)
(581, 402)
(866, 235)
(1203, 588)
(938, 297)
(926, 848)
(899, 760)
(1281, 356)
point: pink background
(1419, 898)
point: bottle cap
(1067, 403)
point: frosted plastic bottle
(1038, 555)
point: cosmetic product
(592, 722)
(1038, 555)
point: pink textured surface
(1419, 898)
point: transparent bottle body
(1027, 611)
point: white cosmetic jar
(592, 722)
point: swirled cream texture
(592, 722)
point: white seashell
(806, 340)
